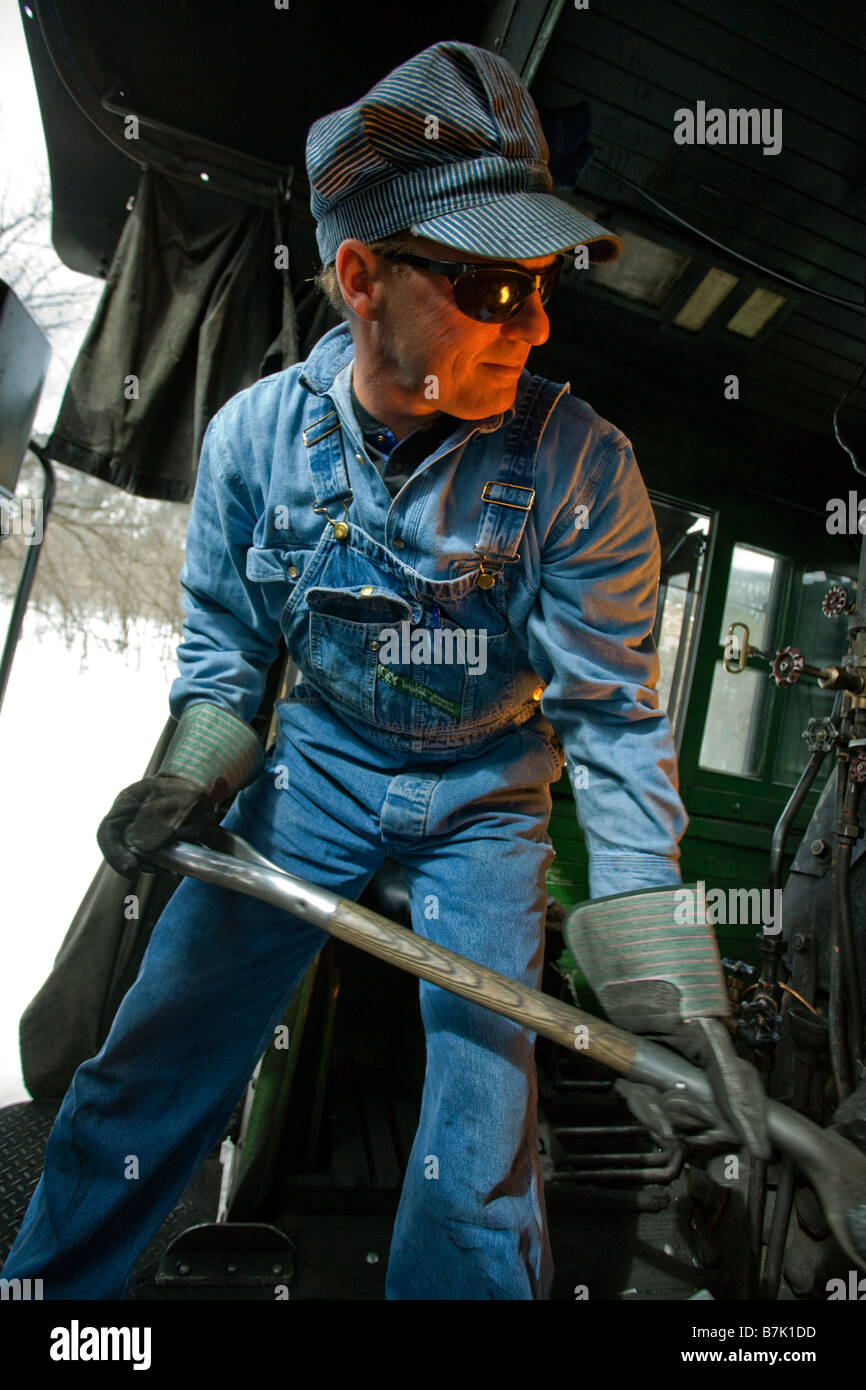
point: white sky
(71, 738)
(23, 164)
(19, 109)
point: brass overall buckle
(516, 487)
(487, 577)
(308, 443)
(340, 528)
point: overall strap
(323, 439)
(506, 500)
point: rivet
(374, 646)
(293, 571)
(538, 692)
(367, 591)
(398, 543)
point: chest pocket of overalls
(344, 637)
(409, 668)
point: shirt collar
(370, 425)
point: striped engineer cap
(449, 146)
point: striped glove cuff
(214, 749)
(646, 959)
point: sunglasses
(488, 293)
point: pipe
(788, 816)
(850, 981)
(835, 1009)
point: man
(407, 496)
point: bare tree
(109, 566)
(30, 265)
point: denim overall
(443, 770)
(354, 588)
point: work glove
(212, 755)
(661, 976)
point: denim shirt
(581, 601)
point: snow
(71, 738)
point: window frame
(759, 524)
(664, 499)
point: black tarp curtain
(195, 317)
(187, 318)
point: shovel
(835, 1167)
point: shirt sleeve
(590, 639)
(229, 640)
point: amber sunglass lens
(492, 296)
